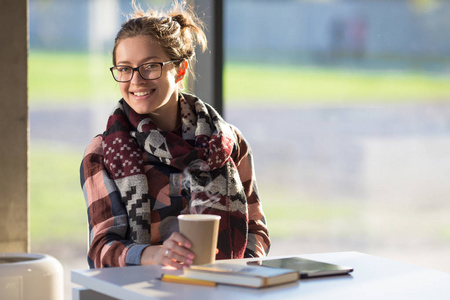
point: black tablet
(306, 267)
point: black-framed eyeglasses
(148, 71)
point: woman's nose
(137, 78)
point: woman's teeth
(142, 93)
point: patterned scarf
(202, 153)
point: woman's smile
(142, 93)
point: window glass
(345, 105)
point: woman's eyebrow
(126, 62)
(123, 63)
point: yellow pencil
(181, 279)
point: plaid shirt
(109, 239)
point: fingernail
(189, 261)
(187, 245)
(191, 256)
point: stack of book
(234, 274)
(258, 273)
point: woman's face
(156, 97)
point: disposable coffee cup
(202, 231)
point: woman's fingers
(168, 259)
(179, 259)
(179, 249)
(180, 239)
(175, 251)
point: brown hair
(177, 31)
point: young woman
(166, 153)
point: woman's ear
(181, 72)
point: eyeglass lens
(147, 71)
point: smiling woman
(156, 139)
(154, 92)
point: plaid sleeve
(109, 245)
(258, 243)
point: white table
(372, 278)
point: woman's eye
(150, 67)
(123, 69)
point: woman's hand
(174, 252)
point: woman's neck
(169, 118)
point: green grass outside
(57, 207)
(313, 85)
(289, 214)
(69, 77)
(81, 77)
